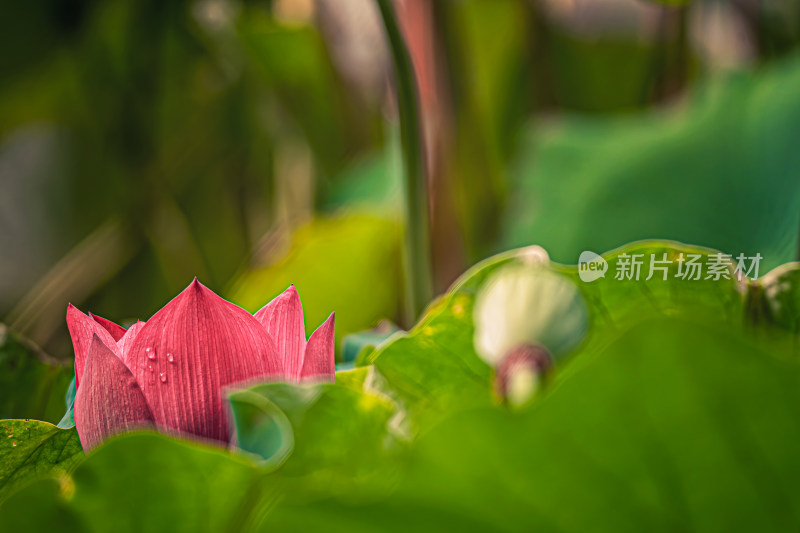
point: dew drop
(170, 358)
(163, 377)
(151, 354)
(150, 368)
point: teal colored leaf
(720, 171)
(31, 450)
(357, 346)
(261, 427)
(68, 420)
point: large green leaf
(150, 482)
(675, 426)
(721, 171)
(434, 369)
(667, 417)
(335, 437)
(616, 302)
(31, 450)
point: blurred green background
(255, 144)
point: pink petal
(113, 328)
(319, 357)
(124, 344)
(81, 329)
(109, 401)
(283, 318)
(194, 346)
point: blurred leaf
(31, 383)
(580, 67)
(488, 44)
(346, 264)
(329, 436)
(372, 182)
(38, 32)
(296, 65)
(158, 124)
(150, 482)
(40, 507)
(675, 426)
(773, 307)
(31, 450)
(781, 288)
(721, 173)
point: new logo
(591, 266)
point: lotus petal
(113, 328)
(319, 362)
(194, 346)
(81, 329)
(124, 344)
(283, 318)
(109, 401)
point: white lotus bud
(519, 375)
(533, 255)
(528, 305)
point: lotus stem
(417, 268)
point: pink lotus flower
(170, 371)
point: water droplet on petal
(163, 377)
(150, 368)
(170, 358)
(151, 354)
